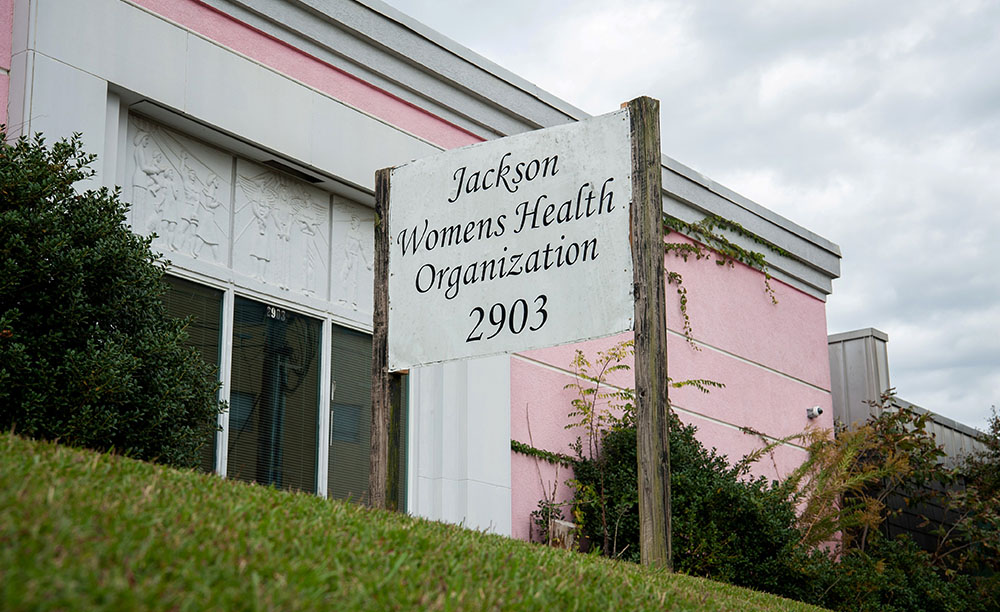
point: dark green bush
(890, 575)
(88, 354)
(724, 528)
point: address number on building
(275, 313)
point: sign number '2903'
(516, 319)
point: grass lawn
(88, 531)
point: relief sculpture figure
(145, 186)
(355, 256)
(184, 240)
(164, 186)
(153, 182)
(306, 219)
(145, 170)
(281, 238)
(207, 231)
(283, 223)
(261, 192)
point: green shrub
(890, 575)
(724, 527)
(88, 354)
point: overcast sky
(875, 124)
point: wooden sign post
(496, 248)
(378, 469)
(651, 385)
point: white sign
(511, 244)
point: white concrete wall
(460, 443)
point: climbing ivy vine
(544, 455)
(711, 243)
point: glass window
(350, 414)
(275, 391)
(204, 306)
(351, 417)
(397, 445)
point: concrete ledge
(857, 334)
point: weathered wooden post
(381, 378)
(653, 442)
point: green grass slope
(88, 531)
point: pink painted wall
(6, 34)
(772, 359)
(310, 70)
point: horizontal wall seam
(737, 428)
(755, 363)
(700, 344)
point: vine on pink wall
(711, 243)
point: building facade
(246, 134)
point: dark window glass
(275, 396)
(351, 417)
(398, 442)
(204, 306)
(350, 414)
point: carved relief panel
(353, 256)
(281, 227)
(180, 189)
